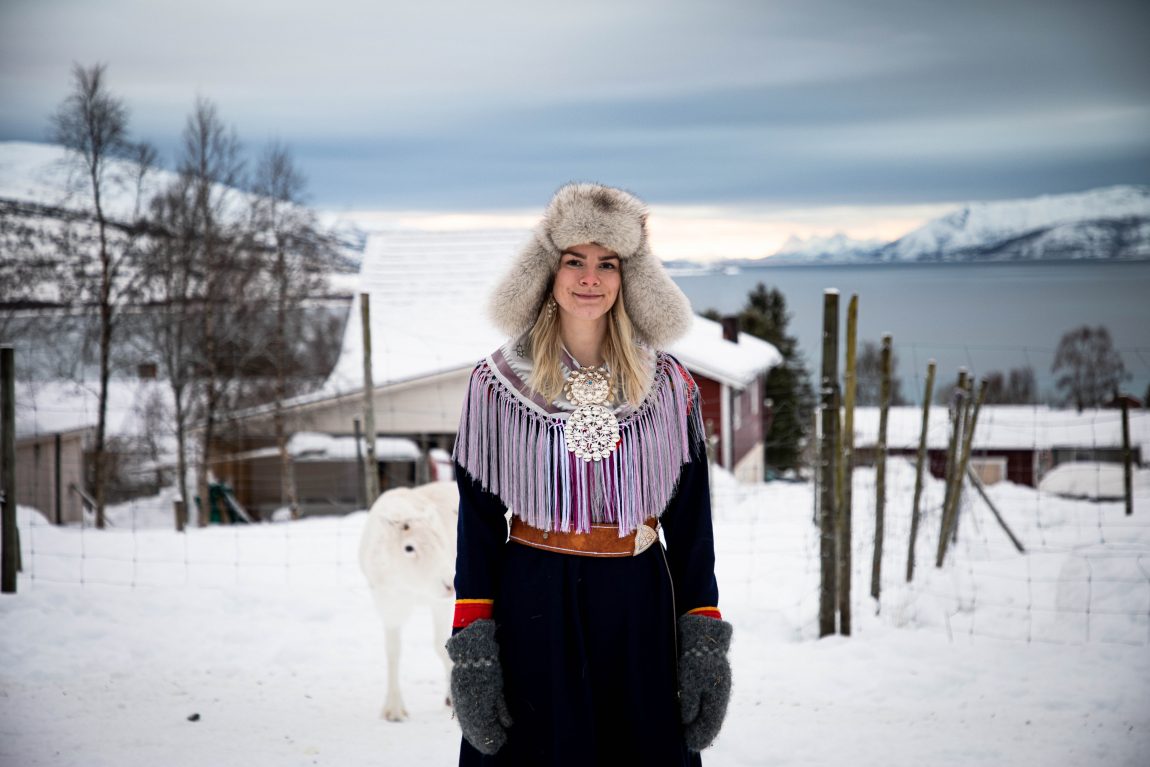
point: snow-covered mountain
(838, 248)
(1111, 223)
(43, 199)
(40, 175)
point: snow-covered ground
(266, 637)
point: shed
(1017, 443)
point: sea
(981, 316)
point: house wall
(746, 418)
(710, 391)
(430, 406)
(322, 487)
(747, 422)
(36, 475)
(1019, 464)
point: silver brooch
(592, 431)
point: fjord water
(989, 316)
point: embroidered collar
(511, 441)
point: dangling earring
(551, 306)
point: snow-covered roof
(704, 350)
(1008, 427)
(56, 407)
(314, 446)
(428, 313)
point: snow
(44, 174)
(314, 446)
(1093, 479)
(838, 248)
(703, 350)
(1108, 222)
(1009, 427)
(50, 407)
(981, 224)
(268, 634)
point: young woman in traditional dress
(579, 638)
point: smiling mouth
(587, 295)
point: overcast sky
(723, 108)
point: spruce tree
(788, 386)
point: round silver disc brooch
(592, 431)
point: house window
(740, 401)
(755, 397)
(989, 470)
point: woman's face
(587, 282)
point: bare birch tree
(210, 168)
(171, 277)
(297, 255)
(93, 124)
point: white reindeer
(407, 553)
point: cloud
(449, 103)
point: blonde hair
(630, 376)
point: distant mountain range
(1111, 223)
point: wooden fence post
(827, 459)
(180, 509)
(950, 515)
(1127, 470)
(371, 467)
(955, 411)
(880, 468)
(10, 557)
(919, 465)
(974, 480)
(846, 470)
(953, 445)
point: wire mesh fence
(1083, 576)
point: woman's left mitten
(704, 677)
(477, 687)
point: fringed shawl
(511, 441)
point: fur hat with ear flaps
(584, 213)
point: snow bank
(1093, 480)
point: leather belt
(602, 541)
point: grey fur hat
(617, 220)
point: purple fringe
(521, 455)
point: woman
(578, 639)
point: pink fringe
(521, 456)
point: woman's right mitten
(477, 686)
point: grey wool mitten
(704, 677)
(477, 687)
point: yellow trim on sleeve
(475, 601)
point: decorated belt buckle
(644, 537)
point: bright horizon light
(695, 233)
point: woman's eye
(607, 265)
(574, 262)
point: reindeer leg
(442, 613)
(393, 708)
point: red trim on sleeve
(707, 612)
(467, 611)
